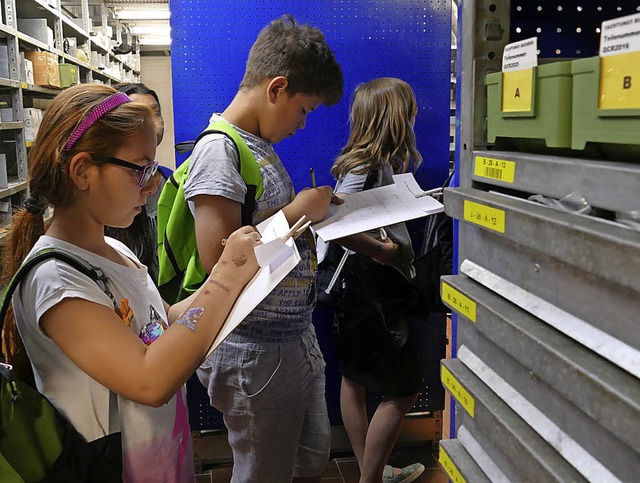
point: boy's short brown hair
(298, 52)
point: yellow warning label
(24, 85)
(458, 302)
(491, 218)
(620, 81)
(517, 89)
(457, 391)
(497, 169)
(449, 467)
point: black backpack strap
(96, 274)
(372, 177)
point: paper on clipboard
(276, 259)
(404, 200)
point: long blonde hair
(381, 131)
(49, 181)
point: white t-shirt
(156, 442)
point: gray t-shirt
(354, 183)
(285, 313)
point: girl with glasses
(112, 361)
(142, 235)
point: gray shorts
(272, 396)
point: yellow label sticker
(517, 91)
(450, 467)
(24, 85)
(491, 218)
(28, 143)
(620, 81)
(457, 391)
(458, 302)
(497, 169)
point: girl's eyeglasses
(145, 173)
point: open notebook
(404, 200)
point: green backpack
(37, 442)
(181, 272)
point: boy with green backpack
(267, 377)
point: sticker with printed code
(450, 467)
(460, 394)
(485, 216)
(498, 169)
(458, 302)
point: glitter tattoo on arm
(220, 284)
(190, 318)
(239, 261)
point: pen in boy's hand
(313, 178)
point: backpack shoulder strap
(371, 180)
(96, 274)
(249, 169)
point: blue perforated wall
(409, 39)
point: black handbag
(433, 260)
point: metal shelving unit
(546, 378)
(14, 90)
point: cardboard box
(4, 179)
(28, 71)
(70, 46)
(45, 68)
(32, 121)
(4, 61)
(35, 27)
(6, 115)
(5, 212)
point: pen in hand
(313, 178)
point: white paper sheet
(377, 207)
(276, 259)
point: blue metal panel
(371, 38)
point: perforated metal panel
(565, 28)
(371, 38)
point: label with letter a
(460, 394)
(485, 216)
(459, 302)
(450, 467)
(498, 169)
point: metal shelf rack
(546, 379)
(14, 90)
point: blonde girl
(371, 318)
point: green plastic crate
(550, 116)
(616, 131)
(68, 75)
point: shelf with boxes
(44, 48)
(546, 380)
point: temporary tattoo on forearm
(190, 318)
(221, 285)
(239, 261)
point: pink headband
(109, 104)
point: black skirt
(372, 330)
